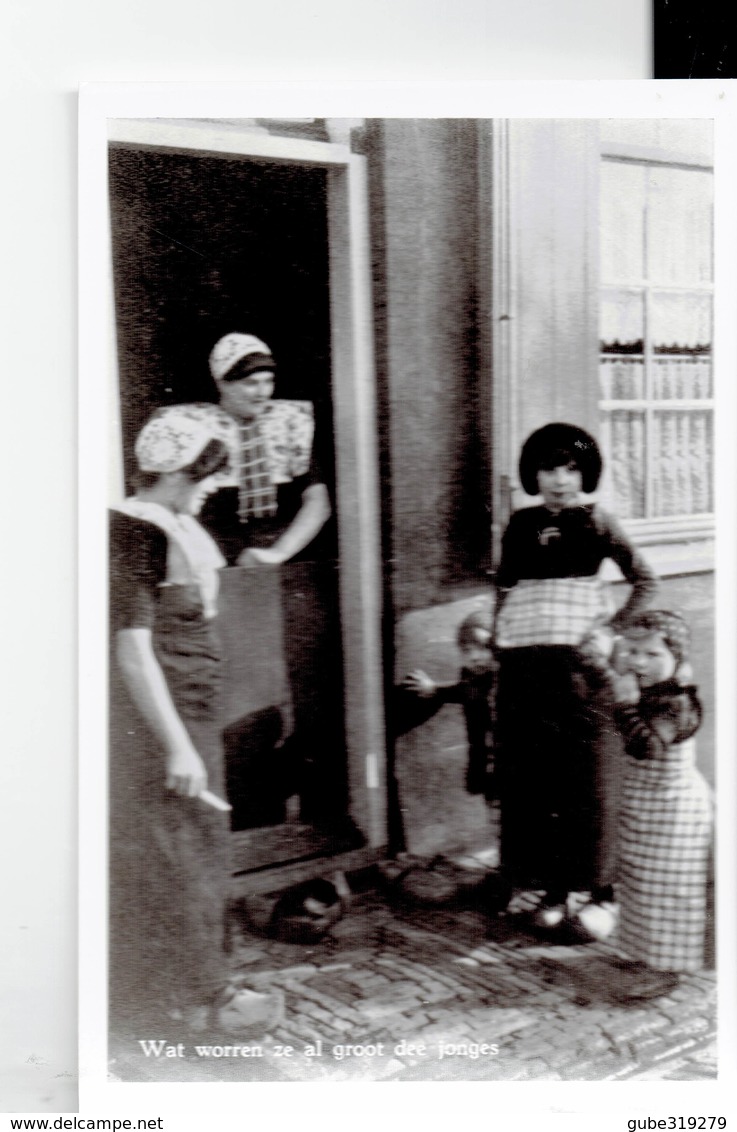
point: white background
(47, 48)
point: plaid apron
(551, 611)
(665, 837)
(256, 492)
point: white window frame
(686, 540)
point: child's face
(649, 658)
(476, 653)
(560, 487)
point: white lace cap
(171, 439)
(230, 349)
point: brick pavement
(408, 994)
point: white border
(611, 1104)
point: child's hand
(620, 655)
(420, 683)
(626, 689)
(684, 673)
(600, 641)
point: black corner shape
(693, 41)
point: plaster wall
(437, 813)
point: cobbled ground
(397, 993)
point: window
(655, 371)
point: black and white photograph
(405, 540)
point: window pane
(682, 462)
(680, 323)
(622, 221)
(655, 334)
(622, 321)
(623, 442)
(621, 332)
(680, 333)
(681, 379)
(679, 226)
(621, 379)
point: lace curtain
(655, 376)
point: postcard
(406, 492)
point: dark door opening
(203, 246)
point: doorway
(203, 245)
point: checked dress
(665, 832)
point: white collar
(197, 552)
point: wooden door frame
(498, 303)
(353, 381)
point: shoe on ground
(622, 963)
(525, 902)
(593, 923)
(243, 1009)
(548, 917)
(196, 1019)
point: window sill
(670, 557)
(686, 528)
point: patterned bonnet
(233, 348)
(671, 627)
(171, 440)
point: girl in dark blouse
(556, 768)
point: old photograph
(411, 710)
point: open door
(206, 242)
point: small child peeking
(666, 816)
(474, 692)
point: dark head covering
(556, 444)
(671, 627)
(236, 355)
